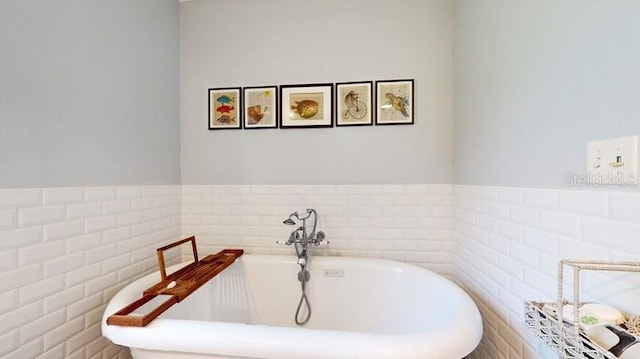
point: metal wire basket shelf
(566, 339)
(561, 339)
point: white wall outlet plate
(613, 161)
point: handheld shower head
(289, 222)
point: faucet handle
(319, 240)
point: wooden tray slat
(123, 317)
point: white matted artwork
(306, 105)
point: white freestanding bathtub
(361, 308)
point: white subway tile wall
(508, 242)
(409, 223)
(64, 252)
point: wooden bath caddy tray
(175, 286)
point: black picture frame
(306, 105)
(394, 102)
(354, 103)
(260, 107)
(225, 108)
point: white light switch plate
(613, 161)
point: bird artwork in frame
(394, 102)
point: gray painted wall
(248, 43)
(536, 80)
(89, 92)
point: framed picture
(225, 108)
(394, 102)
(260, 106)
(353, 103)
(306, 105)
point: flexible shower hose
(303, 298)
